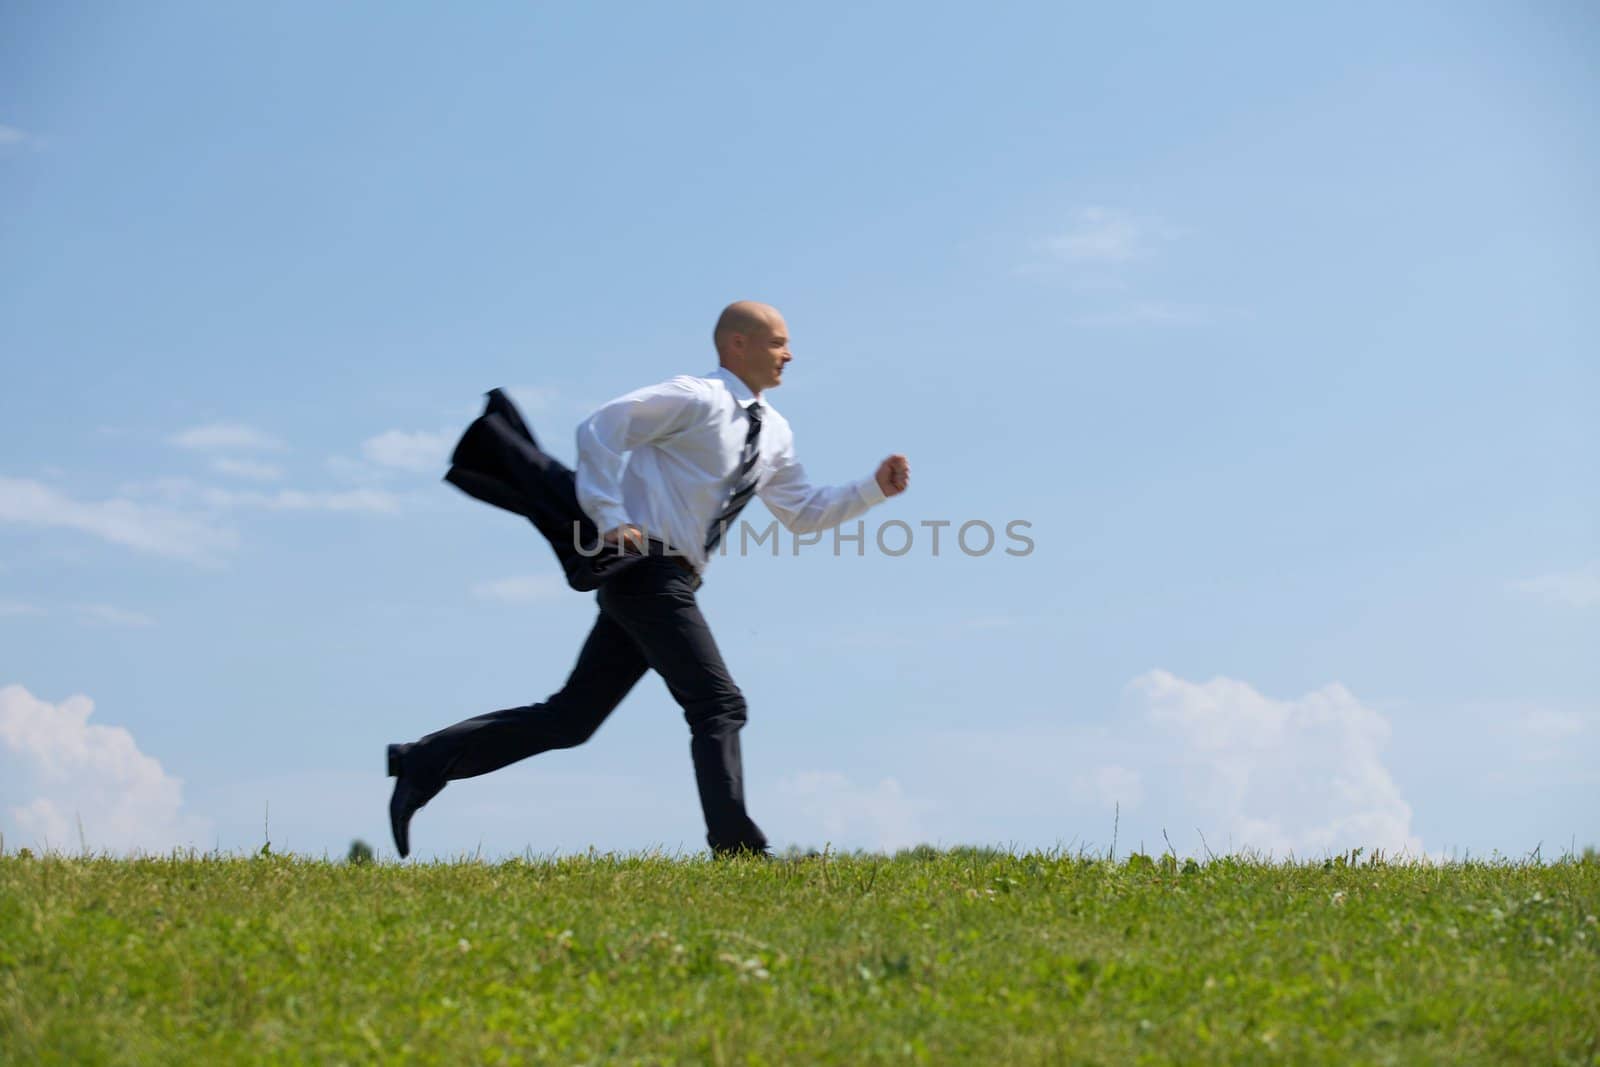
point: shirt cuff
(608, 518)
(869, 490)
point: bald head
(749, 318)
(753, 342)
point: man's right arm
(606, 437)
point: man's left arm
(806, 508)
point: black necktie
(744, 482)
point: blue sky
(1277, 326)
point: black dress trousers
(648, 619)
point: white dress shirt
(664, 458)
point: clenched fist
(894, 474)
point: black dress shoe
(403, 804)
(410, 794)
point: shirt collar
(741, 392)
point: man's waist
(656, 547)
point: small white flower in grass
(1338, 898)
(747, 968)
(464, 945)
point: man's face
(766, 353)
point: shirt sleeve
(604, 439)
(806, 508)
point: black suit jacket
(499, 462)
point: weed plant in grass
(964, 956)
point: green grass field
(929, 957)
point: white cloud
(1304, 775)
(373, 501)
(1098, 255)
(60, 771)
(10, 135)
(420, 452)
(170, 490)
(218, 436)
(1579, 588)
(520, 589)
(104, 614)
(825, 806)
(185, 492)
(109, 615)
(133, 524)
(174, 517)
(1103, 235)
(248, 469)
(1247, 771)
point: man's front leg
(654, 603)
(719, 775)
